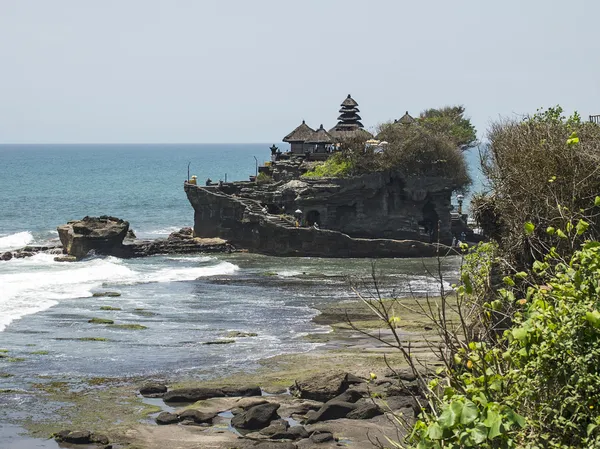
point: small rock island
(285, 211)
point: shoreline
(95, 402)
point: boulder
(405, 374)
(257, 417)
(348, 396)
(167, 418)
(246, 403)
(244, 391)
(192, 394)
(322, 388)
(78, 437)
(297, 433)
(277, 428)
(366, 410)
(153, 390)
(331, 410)
(197, 416)
(399, 402)
(103, 235)
(6, 256)
(321, 437)
(100, 439)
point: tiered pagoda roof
(300, 134)
(349, 122)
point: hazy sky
(249, 71)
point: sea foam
(15, 241)
(34, 284)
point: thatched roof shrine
(300, 134)
(320, 136)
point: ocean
(177, 303)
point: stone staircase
(255, 208)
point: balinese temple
(304, 139)
(349, 123)
(406, 119)
(320, 141)
(298, 137)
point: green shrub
(263, 178)
(337, 166)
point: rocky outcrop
(257, 417)
(322, 388)
(180, 242)
(103, 235)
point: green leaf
(591, 428)
(515, 418)
(597, 201)
(435, 432)
(479, 433)
(550, 230)
(508, 281)
(569, 227)
(521, 275)
(593, 318)
(470, 412)
(561, 234)
(467, 283)
(451, 415)
(520, 333)
(529, 227)
(582, 226)
(493, 421)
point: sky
(235, 71)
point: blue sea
(182, 301)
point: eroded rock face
(104, 235)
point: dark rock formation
(331, 410)
(6, 256)
(244, 391)
(243, 222)
(276, 429)
(180, 242)
(257, 417)
(166, 418)
(103, 235)
(197, 416)
(351, 396)
(366, 410)
(321, 437)
(81, 437)
(321, 389)
(153, 390)
(192, 394)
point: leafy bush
(337, 166)
(418, 151)
(545, 170)
(263, 178)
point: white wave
(34, 284)
(289, 273)
(189, 274)
(15, 241)
(163, 231)
(37, 283)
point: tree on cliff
(451, 122)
